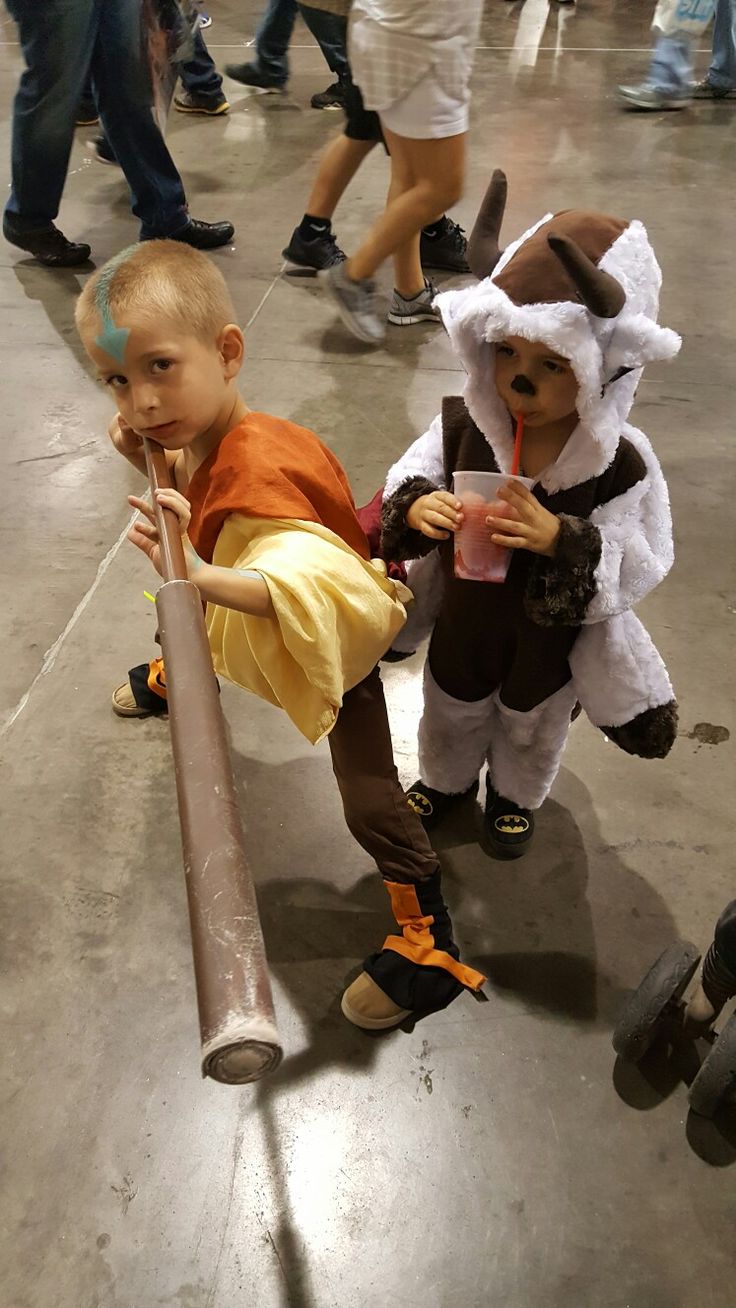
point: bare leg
(337, 167)
(433, 173)
(408, 275)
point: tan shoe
(365, 1005)
(123, 703)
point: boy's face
(534, 382)
(171, 386)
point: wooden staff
(238, 1029)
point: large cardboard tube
(240, 1041)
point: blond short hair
(160, 280)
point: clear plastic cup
(476, 557)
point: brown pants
(375, 806)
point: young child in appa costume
(557, 333)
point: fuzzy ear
(637, 340)
(466, 312)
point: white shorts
(427, 111)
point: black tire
(716, 1080)
(663, 984)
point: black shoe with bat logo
(509, 827)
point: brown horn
(599, 292)
(484, 251)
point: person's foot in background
(705, 90)
(87, 115)
(650, 98)
(252, 75)
(45, 242)
(209, 106)
(332, 98)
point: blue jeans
(61, 40)
(722, 71)
(198, 75)
(274, 34)
(671, 69)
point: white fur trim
(526, 748)
(453, 738)
(478, 316)
(424, 458)
(618, 672)
(636, 538)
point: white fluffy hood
(597, 348)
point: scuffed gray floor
(493, 1156)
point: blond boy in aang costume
(557, 331)
(296, 611)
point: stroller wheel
(716, 1080)
(655, 999)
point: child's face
(171, 387)
(534, 382)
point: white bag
(691, 16)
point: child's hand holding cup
(477, 556)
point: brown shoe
(123, 703)
(365, 1005)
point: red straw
(515, 462)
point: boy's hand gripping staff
(238, 1030)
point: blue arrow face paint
(111, 339)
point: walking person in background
(719, 82)
(61, 41)
(669, 82)
(201, 91)
(313, 243)
(270, 71)
(412, 61)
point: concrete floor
(493, 1156)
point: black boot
(418, 971)
(433, 805)
(509, 827)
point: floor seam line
(264, 297)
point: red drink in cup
(476, 557)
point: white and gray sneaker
(648, 97)
(358, 304)
(419, 308)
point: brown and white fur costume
(609, 556)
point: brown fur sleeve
(398, 540)
(559, 590)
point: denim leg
(671, 69)
(331, 34)
(722, 72)
(199, 75)
(273, 37)
(57, 40)
(124, 99)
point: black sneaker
(46, 243)
(203, 236)
(332, 98)
(320, 253)
(448, 251)
(509, 827)
(251, 75)
(103, 151)
(209, 105)
(433, 805)
(87, 115)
